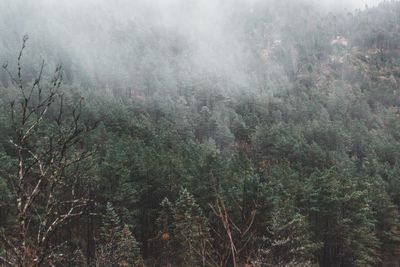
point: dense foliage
(301, 169)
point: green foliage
(165, 226)
(342, 219)
(288, 242)
(190, 232)
(116, 246)
(129, 250)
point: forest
(216, 133)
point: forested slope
(290, 159)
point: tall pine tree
(190, 233)
(117, 246)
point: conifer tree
(79, 259)
(110, 235)
(288, 240)
(165, 228)
(343, 220)
(117, 245)
(128, 250)
(191, 233)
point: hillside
(274, 141)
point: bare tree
(48, 137)
(237, 237)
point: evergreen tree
(128, 250)
(342, 220)
(288, 240)
(165, 228)
(117, 246)
(191, 234)
(79, 260)
(110, 236)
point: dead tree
(48, 140)
(235, 237)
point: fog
(124, 43)
(350, 4)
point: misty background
(167, 43)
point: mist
(122, 43)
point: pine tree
(117, 245)
(165, 228)
(79, 259)
(288, 242)
(191, 233)
(343, 220)
(110, 235)
(128, 251)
